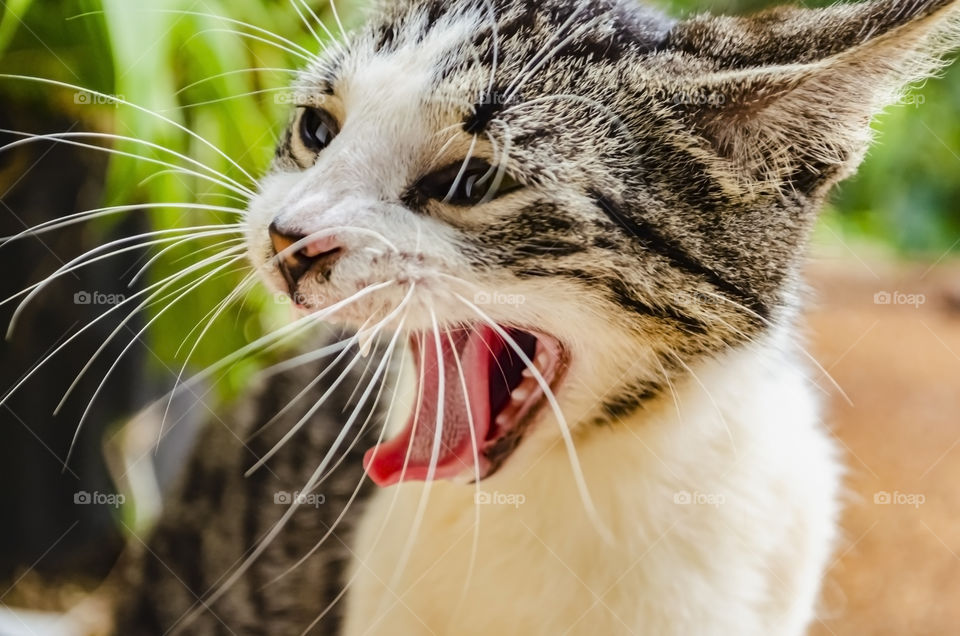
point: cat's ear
(787, 95)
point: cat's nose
(318, 254)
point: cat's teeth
(502, 420)
(527, 372)
(520, 394)
(542, 361)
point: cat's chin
(479, 388)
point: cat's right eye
(317, 128)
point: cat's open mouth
(474, 402)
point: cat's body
(722, 507)
(656, 181)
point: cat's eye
(317, 128)
(467, 184)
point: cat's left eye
(467, 184)
(317, 128)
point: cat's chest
(691, 506)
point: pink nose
(318, 254)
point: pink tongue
(417, 442)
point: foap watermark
(899, 298)
(286, 498)
(285, 98)
(697, 97)
(96, 498)
(897, 498)
(97, 298)
(700, 299)
(298, 298)
(497, 98)
(498, 298)
(697, 498)
(86, 98)
(497, 498)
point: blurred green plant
(197, 65)
(176, 57)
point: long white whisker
(80, 217)
(349, 342)
(305, 358)
(66, 342)
(407, 551)
(67, 138)
(476, 479)
(228, 255)
(463, 169)
(802, 349)
(536, 63)
(222, 18)
(294, 506)
(278, 336)
(83, 260)
(336, 17)
(294, 52)
(561, 420)
(147, 111)
(713, 402)
(388, 355)
(133, 340)
(156, 257)
(306, 23)
(219, 100)
(296, 427)
(240, 71)
(241, 288)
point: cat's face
(560, 173)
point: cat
(588, 219)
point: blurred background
(886, 326)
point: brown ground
(898, 567)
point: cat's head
(583, 184)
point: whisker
(156, 257)
(228, 255)
(537, 61)
(388, 355)
(460, 173)
(281, 523)
(238, 290)
(278, 336)
(713, 402)
(336, 17)
(306, 23)
(30, 292)
(147, 111)
(802, 349)
(219, 100)
(67, 139)
(262, 69)
(309, 58)
(561, 420)
(476, 478)
(66, 342)
(333, 386)
(80, 217)
(407, 551)
(222, 18)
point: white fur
(745, 556)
